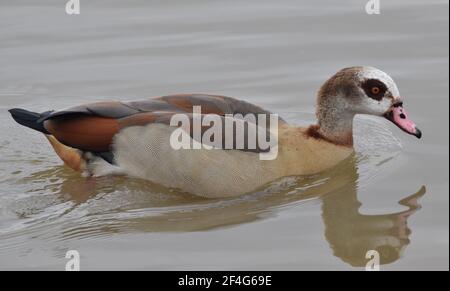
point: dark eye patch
(374, 88)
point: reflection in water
(104, 206)
(351, 234)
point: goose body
(219, 173)
(134, 138)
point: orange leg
(70, 156)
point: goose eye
(375, 90)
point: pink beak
(400, 118)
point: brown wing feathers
(89, 127)
(88, 133)
(92, 127)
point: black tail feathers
(29, 119)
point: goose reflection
(120, 205)
(352, 234)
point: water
(391, 196)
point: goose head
(359, 90)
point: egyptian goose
(133, 138)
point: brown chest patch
(314, 132)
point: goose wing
(91, 127)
